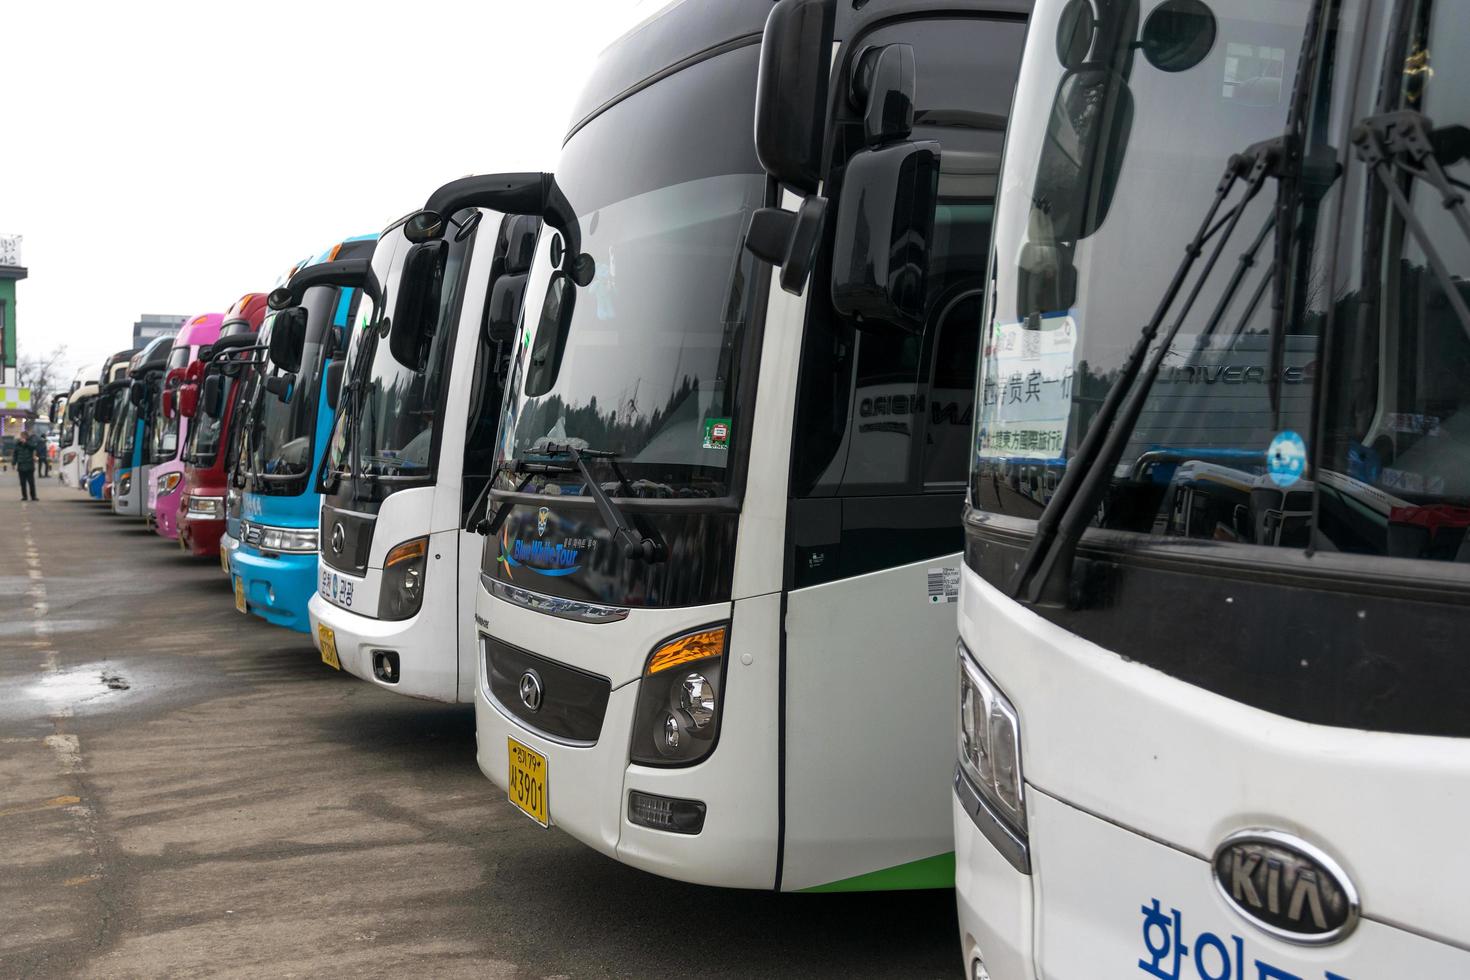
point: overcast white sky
(166, 157)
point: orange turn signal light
(686, 649)
(332, 255)
(407, 551)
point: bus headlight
(169, 482)
(990, 742)
(678, 715)
(205, 508)
(124, 484)
(402, 592)
(292, 540)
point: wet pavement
(188, 791)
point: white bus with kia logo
(1214, 717)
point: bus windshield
(1210, 456)
(663, 184)
(1107, 175)
(283, 431)
(125, 427)
(202, 447)
(397, 409)
(91, 428)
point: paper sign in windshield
(1026, 398)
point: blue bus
(288, 423)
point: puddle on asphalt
(77, 684)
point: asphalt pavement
(188, 791)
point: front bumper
(428, 658)
(228, 544)
(588, 786)
(166, 515)
(201, 535)
(277, 588)
(127, 498)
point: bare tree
(42, 374)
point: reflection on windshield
(663, 184)
(1096, 206)
(283, 432)
(397, 408)
(649, 359)
(204, 429)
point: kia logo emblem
(532, 692)
(339, 538)
(1286, 887)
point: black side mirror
(416, 309)
(508, 292)
(281, 385)
(790, 118)
(288, 338)
(211, 401)
(551, 334)
(791, 91)
(103, 413)
(333, 380)
(885, 218)
(137, 394)
(885, 227)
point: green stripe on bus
(931, 872)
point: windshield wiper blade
(636, 544)
(1407, 142)
(1043, 574)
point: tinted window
(890, 413)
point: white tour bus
(413, 453)
(75, 432)
(1213, 715)
(716, 618)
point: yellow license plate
(224, 561)
(327, 640)
(526, 788)
(239, 593)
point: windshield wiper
(635, 544)
(1406, 142)
(1043, 574)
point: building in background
(152, 325)
(11, 272)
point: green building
(11, 272)
(15, 402)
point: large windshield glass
(284, 429)
(125, 426)
(89, 430)
(1395, 477)
(663, 184)
(397, 408)
(203, 444)
(1095, 209)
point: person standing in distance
(24, 457)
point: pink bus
(170, 430)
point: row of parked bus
(1119, 345)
